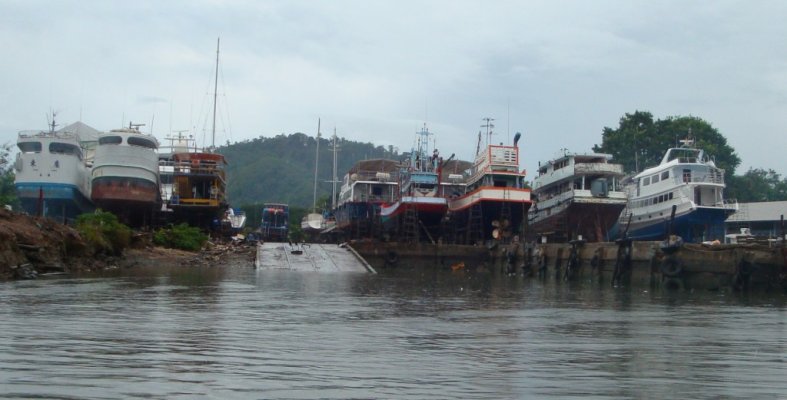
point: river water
(233, 332)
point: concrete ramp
(310, 257)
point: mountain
(281, 168)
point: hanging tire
(391, 258)
(671, 267)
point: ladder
(474, 224)
(410, 226)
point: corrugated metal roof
(84, 131)
(761, 211)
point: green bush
(103, 233)
(181, 236)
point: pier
(310, 257)
(663, 264)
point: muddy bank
(31, 246)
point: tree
(757, 185)
(639, 142)
(7, 190)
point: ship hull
(56, 200)
(694, 225)
(590, 221)
(499, 212)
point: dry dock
(310, 257)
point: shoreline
(32, 246)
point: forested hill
(281, 168)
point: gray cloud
(558, 72)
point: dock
(310, 257)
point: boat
(195, 178)
(236, 219)
(274, 226)
(418, 207)
(52, 173)
(313, 223)
(125, 176)
(495, 201)
(578, 196)
(683, 196)
(365, 188)
(198, 187)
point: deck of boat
(310, 257)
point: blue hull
(696, 226)
(60, 201)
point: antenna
(489, 127)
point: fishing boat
(495, 201)
(274, 226)
(418, 207)
(125, 176)
(578, 197)
(683, 195)
(365, 188)
(52, 175)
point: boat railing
(30, 134)
(184, 167)
(366, 175)
(586, 168)
(716, 178)
(731, 204)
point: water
(233, 332)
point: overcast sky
(557, 71)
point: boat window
(686, 175)
(110, 140)
(30, 147)
(664, 175)
(655, 178)
(65, 148)
(377, 191)
(646, 181)
(670, 195)
(138, 141)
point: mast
(215, 95)
(334, 180)
(316, 163)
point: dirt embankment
(30, 246)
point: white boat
(52, 176)
(125, 176)
(686, 183)
(578, 196)
(237, 219)
(495, 201)
(314, 222)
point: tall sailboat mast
(335, 179)
(316, 163)
(215, 95)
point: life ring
(391, 258)
(671, 267)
